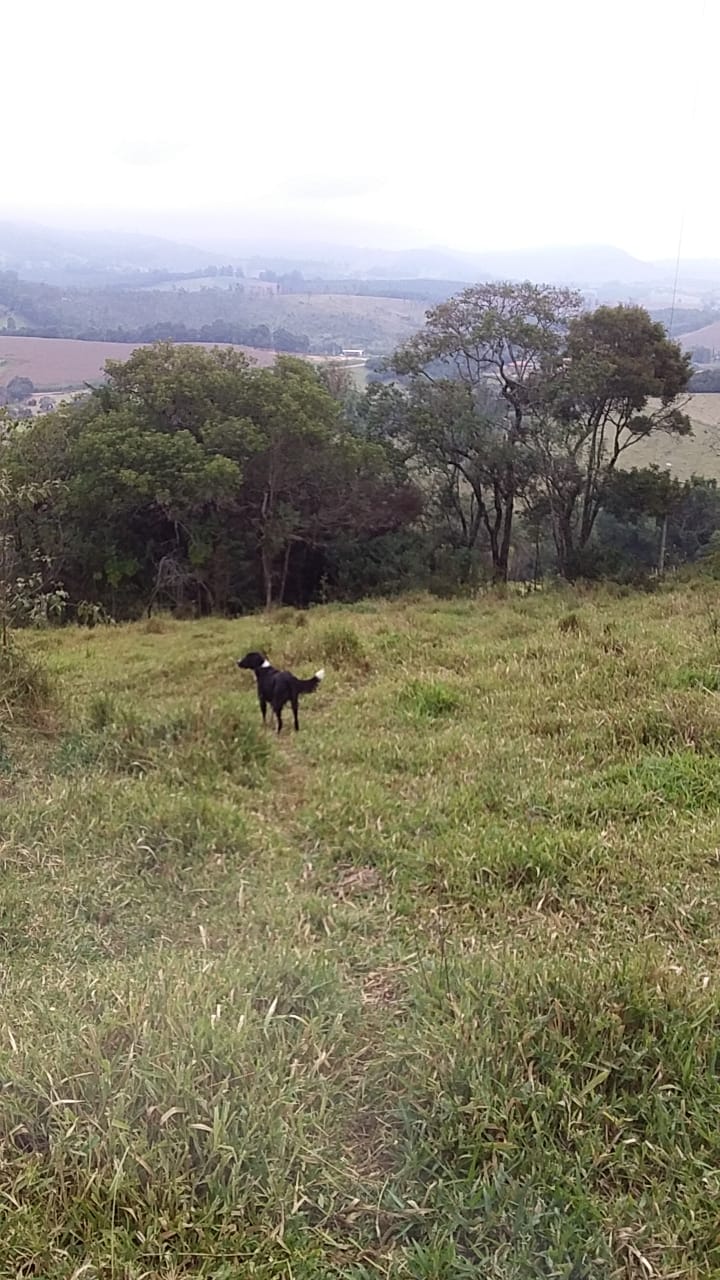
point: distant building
(354, 353)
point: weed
(341, 645)
(690, 678)
(429, 699)
(680, 722)
(281, 615)
(102, 711)
(155, 626)
(26, 687)
(570, 624)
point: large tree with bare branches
(619, 382)
(473, 373)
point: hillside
(320, 323)
(707, 336)
(58, 256)
(428, 990)
(698, 454)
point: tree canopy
(491, 339)
(239, 475)
(497, 443)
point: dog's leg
(278, 713)
(295, 712)
(263, 710)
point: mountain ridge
(55, 255)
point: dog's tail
(309, 686)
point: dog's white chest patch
(266, 663)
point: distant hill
(73, 257)
(98, 258)
(582, 265)
(589, 265)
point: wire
(677, 272)
(681, 233)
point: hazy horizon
(223, 234)
(475, 131)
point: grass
(688, 455)
(431, 990)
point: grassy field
(430, 990)
(698, 454)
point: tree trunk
(266, 562)
(504, 552)
(283, 580)
(536, 565)
(663, 545)
(563, 534)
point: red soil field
(55, 363)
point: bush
(25, 686)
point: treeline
(705, 380)
(258, 335)
(48, 312)
(500, 449)
(419, 290)
(195, 480)
(208, 315)
(151, 277)
(679, 320)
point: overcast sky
(472, 125)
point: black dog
(278, 687)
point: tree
(22, 598)
(193, 474)
(648, 491)
(284, 340)
(705, 380)
(688, 511)
(502, 336)
(618, 383)
(171, 387)
(19, 389)
(308, 480)
(458, 445)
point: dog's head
(253, 661)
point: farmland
(376, 323)
(708, 336)
(430, 990)
(55, 363)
